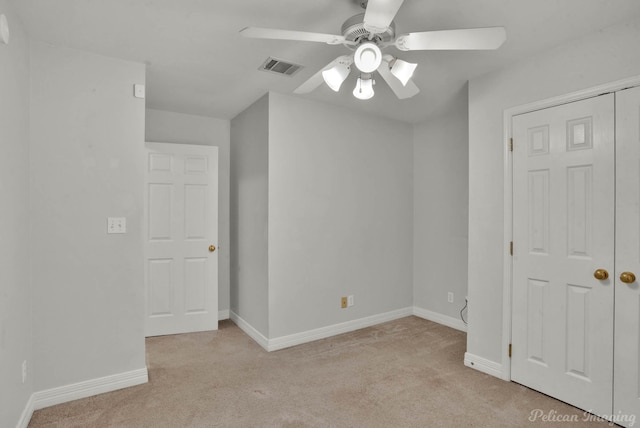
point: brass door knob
(627, 277)
(601, 274)
(212, 248)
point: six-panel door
(181, 212)
(563, 231)
(626, 402)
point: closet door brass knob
(601, 274)
(627, 277)
(212, 248)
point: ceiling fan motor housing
(353, 30)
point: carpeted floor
(404, 373)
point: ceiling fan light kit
(336, 75)
(367, 57)
(368, 34)
(364, 88)
(403, 70)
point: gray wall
(15, 287)
(87, 163)
(602, 57)
(249, 214)
(340, 214)
(169, 127)
(441, 209)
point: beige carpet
(404, 373)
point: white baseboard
(319, 333)
(258, 337)
(345, 327)
(223, 315)
(88, 388)
(333, 330)
(483, 365)
(26, 414)
(439, 318)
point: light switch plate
(4, 30)
(116, 225)
(138, 90)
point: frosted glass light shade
(403, 70)
(334, 76)
(367, 57)
(363, 89)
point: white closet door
(627, 303)
(563, 193)
(181, 215)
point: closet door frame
(508, 195)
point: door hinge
(510, 144)
(510, 349)
(511, 248)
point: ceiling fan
(368, 34)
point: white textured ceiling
(197, 63)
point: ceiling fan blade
(317, 79)
(401, 91)
(379, 14)
(467, 39)
(270, 33)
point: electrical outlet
(343, 302)
(350, 300)
(24, 371)
(450, 297)
(116, 225)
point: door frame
(507, 263)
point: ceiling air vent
(280, 67)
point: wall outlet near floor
(24, 371)
(343, 302)
(450, 297)
(350, 300)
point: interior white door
(563, 231)
(181, 213)
(627, 301)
